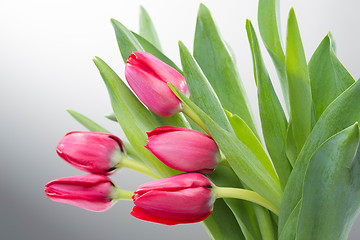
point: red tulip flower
(92, 152)
(148, 78)
(91, 192)
(184, 149)
(184, 198)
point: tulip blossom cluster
(183, 198)
(206, 146)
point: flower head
(148, 78)
(91, 192)
(184, 198)
(184, 149)
(92, 152)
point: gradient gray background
(46, 49)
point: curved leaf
(247, 137)
(201, 91)
(126, 40)
(147, 29)
(215, 60)
(273, 119)
(299, 83)
(329, 78)
(269, 26)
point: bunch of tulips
(183, 198)
(192, 130)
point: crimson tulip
(91, 192)
(184, 198)
(92, 152)
(148, 77)
(184, 149)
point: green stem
(139, 167)
(121, 194)
(191, 114)
(224, 192)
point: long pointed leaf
(269, 26)
(273, 119)
(299, 83)
(246, 136)
(200, 89)
(328, 76)
(215, 60)
(147, 29)
(127, 42)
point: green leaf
(341, 113)
(147, 29)
(241, 159)
(290, 145)
(269, 26)
(331, 195)
(94, 127)
(242, 210)
(247, 137)
(216, 62)
(133, 117)
(111, 117)
(299, 83)
(87, 122)
(127, 42)
(289, 230)
(273, 119)
(264, 219)
(148, 47)
(201, 91)
(329, 78)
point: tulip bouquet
(192, 131)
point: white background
(46, 49)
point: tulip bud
(184, 149)
(91, 192)
(92, 152)
(184, 198)
(148, 78)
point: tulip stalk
(191, 114)
(243, 194)
(139, 167)
(121, 194)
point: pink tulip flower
(184, 149)
(148, 78)
(91, 192)
(184, 198)
(92, 152)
